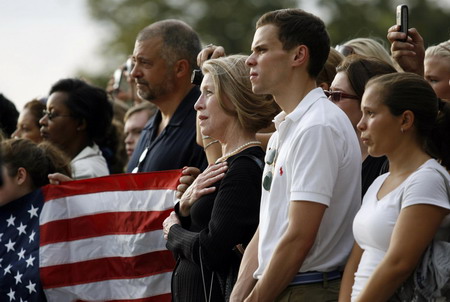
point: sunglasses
(270, 160)
(345, 50)
(337, 96)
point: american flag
(101, 240)
(19, 249)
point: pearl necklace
(237, 150)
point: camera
(197, 77)
(118, 77)
(402, 20)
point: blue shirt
(176, 146)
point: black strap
(258, 161)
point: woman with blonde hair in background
(28, 121)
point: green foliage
(371, 18)
(231, 23)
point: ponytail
(438, 144)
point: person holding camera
(164, 58)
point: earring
(402, 130)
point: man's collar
(186, 105)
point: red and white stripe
(101, 238)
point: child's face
(9, 191)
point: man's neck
(293, 93)
(169, 104)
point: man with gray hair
(164, 57)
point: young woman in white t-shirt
(404, 209)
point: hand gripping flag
(100, 239)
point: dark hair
(180, 41)
(8, 116)
(409, 91)
(329, 69)
(87, 103)
(361, 69)
(297, 27)
(39, 160)
(36, 108)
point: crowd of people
(309, 172)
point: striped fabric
(101, 238)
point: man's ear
(182, 68)
(21, 176)
(301, 55)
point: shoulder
(249, 161)
(428, 185)
(431, 173)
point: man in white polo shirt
(311, 181)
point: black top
(372, 167)
(175, 147)
(217, 223)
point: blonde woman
(220, 210)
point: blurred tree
(231, 23)
(350, 19)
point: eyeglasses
(345, 50)
(141, 159)
(271, 157)
(52, 115)
(337, 96)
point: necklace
(237, 150)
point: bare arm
(414, 230)
(210, 52)
(249, 264)
(294, 245)
(410, 54)
(349, 274)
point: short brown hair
(329, 69)
(297, 27)
(180, 41)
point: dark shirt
(217, 223)
(372, 167)
(175, 147)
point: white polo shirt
(318, 160)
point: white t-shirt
(319, 160)
(89, 163)
(375, 221)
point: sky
(43, 41)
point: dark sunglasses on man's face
(336, 96)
